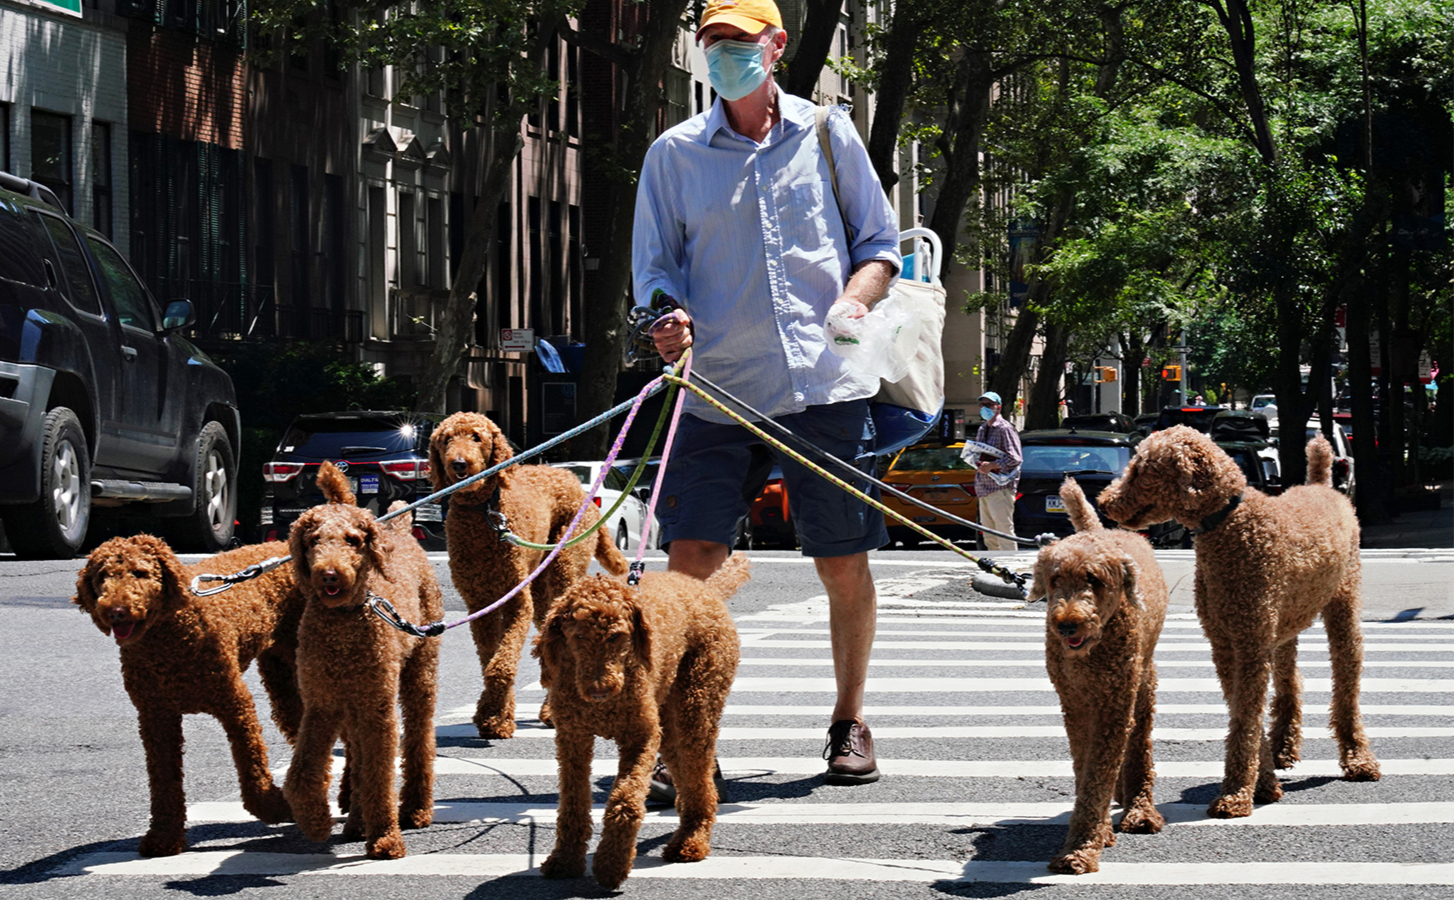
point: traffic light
(1105, 374)
(1171, 373)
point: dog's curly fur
(1105, 605)
(185, 654)
(539, 503)
(355, 671)
(650, 668)
(1262, 576)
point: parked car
(1120, 423)
(1146, 422)
(1198, 417)
(103, 403)
(769, 521)
(1344, 479)
(627, 520)
(1094, 459)
(1265, 404)
(935, 474)
(647, 482)
(384, 453)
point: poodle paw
(316, 824)
(686, 849)
(1080, 862)
(1230, 806)
(546, 718)
(1361, 767)
(272, 808)
(156, 843)
(389, 846)
(1268, 791)
(557, 865)
(609, 872)
(416, 818)
(353, 826)
(1287, 757)
(496, 728)
(1143, 820)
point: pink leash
(639, 565)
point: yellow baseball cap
(749, 15)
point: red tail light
(406, 469)
(279, 472)
(1019, 494)
(419, 534)
(272, 535)
(969, 489)
(596, 500)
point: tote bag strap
(827, 148)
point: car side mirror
(179, 315)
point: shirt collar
(794, 113)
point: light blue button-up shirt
(748, 238)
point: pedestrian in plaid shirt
(997, 479)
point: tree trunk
(1131, 372)
(811, 48)
(1043, 410)
(605, 313)
(498, 150)
(895, 80)
(964, 128)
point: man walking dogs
(995, 484)
(736, 223)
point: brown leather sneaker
(849, 751)
(662, 791)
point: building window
(299, 229)
(5, 137)
(101, 177)
(265, 221)
(678, 95)
(50, 153)
(408, 242)
(434, 222)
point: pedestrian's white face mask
(736, 68)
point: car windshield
(930, 459)
(1259, 402)
(1054, 460)
(352, 437)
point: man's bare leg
(852, 615)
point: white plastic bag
(880, 344)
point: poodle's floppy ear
(86, 591)
(1129, 573)
(436, 458)
(641, 626)
(377, 545)
(174, 577)
(1039, 584)
(298, 547)
(550, 645)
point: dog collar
(1218, 517)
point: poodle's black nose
(459, 466)
(1068, 628)
(330, 576)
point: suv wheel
(623, 537)
(209, 528)
(54, 526)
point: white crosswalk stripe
(1000, 717)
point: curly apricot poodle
(1266, 567)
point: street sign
(517, 340)
(1426, 368)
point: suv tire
(209, 528)
(54, 526)
(623, 537)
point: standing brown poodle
(537, 503)
(355, 671)
(1105, 605)
(185, 654)
(650, 668)
(1266, 567)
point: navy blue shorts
(716, 471)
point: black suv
(385, 455)
(102, 401)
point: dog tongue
(123, 631)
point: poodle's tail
(607, 554)
(732, 575)
(1320, 462)
(1082, 514)
(334, 485)
(400, 524)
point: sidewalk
(1431, 528)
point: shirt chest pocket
(809, 219)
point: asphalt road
(973, 801)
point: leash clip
(633, 577)
(385, 610)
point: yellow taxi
(935, 474)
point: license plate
(1054, 504)
(369, 484)
(922, 519)
(353, 485)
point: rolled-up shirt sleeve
(870, 215)
(657, 239)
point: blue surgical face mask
(986, 413)
(735, 68)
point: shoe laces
(840, 740)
